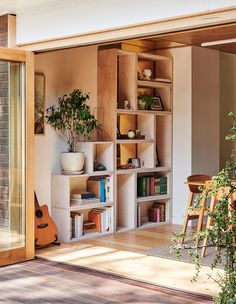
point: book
(154, 214)
(162, 207)
(89, 226)
(96, 218)
(108, 189)
(76, 224)
(139, 216)
(83, 201)
(97, 186)
(83, 195)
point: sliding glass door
(16, 170)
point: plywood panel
(107, 89)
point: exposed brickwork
(4, 137)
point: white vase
(72, 161)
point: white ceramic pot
(72, 161)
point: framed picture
(157, 104)
(39, 104)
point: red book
(154, 215)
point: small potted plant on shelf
(72, 118)
(145, 101)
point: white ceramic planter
(72, 161)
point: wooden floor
(123, 254)
(41, 281)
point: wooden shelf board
(152, 224)
(142, 112)
(152, 57)
(123, 229)
(90, 206)
(152, 198)
(143, 170)
(134, 141)
(153, 84)
(89, 235)
(96, 173)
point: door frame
(25, 253)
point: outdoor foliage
(71, 116)
(223, 232)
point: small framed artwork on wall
(39, 104)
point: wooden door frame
(155, 28)
(27, 252)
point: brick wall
(4, 147)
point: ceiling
(223, 36)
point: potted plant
(72, 118)
(145, 101)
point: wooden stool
(194, 182)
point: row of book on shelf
(151, 185)
(99, 189)
(98, 220)
(156, 214)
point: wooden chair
(221, 192)
(194, 182)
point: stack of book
(157, 212)
(151, 185)
(78, 199)
(102, 218)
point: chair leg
(186, 218)
(208, 225)
(201, 216)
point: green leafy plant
(146, 99)
(71, 117)
(222, 234)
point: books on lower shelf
(98, 220)
(151, 185)
(76, 224)
(157, 213)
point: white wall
(58, 18)
(64, 71)
(227, 103)
(195, 119)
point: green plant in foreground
(222, 234)
(71, 117)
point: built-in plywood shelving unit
(135, 190)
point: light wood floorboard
(123, 254)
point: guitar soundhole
(38, 213)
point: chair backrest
(197, 178)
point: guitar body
(45, 228)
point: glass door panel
(12, 156)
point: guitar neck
(36, 203)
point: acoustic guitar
(45, 228)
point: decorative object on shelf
(145, 101)
(131, 134)
(39, 104)
(98, 167)
(72, 118)
(135, 162)
(147, 73)
(157, 104)
(127, 105)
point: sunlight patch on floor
(151, 269)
